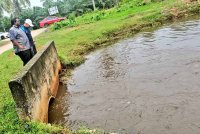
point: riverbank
(138, 85)
(120, 22)
(74, 43)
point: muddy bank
(148, 84)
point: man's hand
(21, 47)
(18, 44)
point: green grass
(73, 43)
(9, 122)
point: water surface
(149, 84)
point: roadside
(6, 44)
(118, 23)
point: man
(25, 28)
(20, 41)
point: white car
(4, 35)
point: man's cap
(28, 21)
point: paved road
(9, 45)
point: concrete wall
(34, 86)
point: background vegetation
(22, 9)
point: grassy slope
(9, 122)
(73, 43)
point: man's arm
(17, 44)
(13, 35)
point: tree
(4, 6)
(13, 6)
(78, 7)
(4, 24)
(48, 3)
(17, 6)
(94, 7)
(36, 14)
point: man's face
(17, 23)
(26, 25)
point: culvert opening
(58, 106)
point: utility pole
(94, 7)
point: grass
(73, 43)
(9, 122)
(119, 22)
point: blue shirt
(28, 34)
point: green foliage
(79, 7)
(67, 23)
(5, 24)
(9, 121)
(36, 15)
(72, 20)
(65, 7)
(85, 130)
(98, 16)
(13, 6)
(72, 17)
(96, 28)
(61, 24)
(25, 14)
(106, 4)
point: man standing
(20, 41)
(25, 28)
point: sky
(35, 3)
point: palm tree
(48, 3)
(16, 5)
(13, 6)
(94, 7)
(4, 6)
(1, 8)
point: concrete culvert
(38, 82)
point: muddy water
(149, 84)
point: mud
(145, 85)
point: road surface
(10, 46)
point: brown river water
(148, 84)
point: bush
(71, 22)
